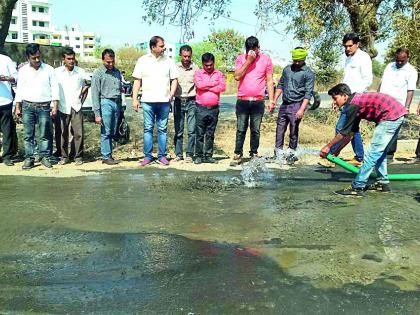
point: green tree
(406, 26)
(228, 44)
(127, 58)
(6, 9)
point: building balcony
(41, 41)
(40, 16)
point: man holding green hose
(387, 113)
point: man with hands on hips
(157, 75)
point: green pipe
(354, 169)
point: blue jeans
(375, 157)
(184, 110)
(152, 112)
(32, 115)
(110, 111)
(356, 141)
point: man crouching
(387, 113)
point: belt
(251, 99)
(188, 98)
(209, 106)
(38, 104)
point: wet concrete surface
(166, 242)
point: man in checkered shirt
(387, 113)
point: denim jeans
(356, 141)
(152, 112)
(31, 116)
(110, 111)
(6, 128)
(207, 118)
(248, 113)
(375, 157)
(287, 114)
(184, 110)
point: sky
(120, 22)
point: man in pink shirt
(209, 83)
(254, 71)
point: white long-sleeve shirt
(398, 81)
(37, 85)
(358, 71)
(70, 85)
(8, 69)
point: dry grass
(316, 129)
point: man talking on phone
(254, 71)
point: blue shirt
(296, 85)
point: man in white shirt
(358, 76)
(399, 80)
(72, 86)
(157, 75)
(8, 75)
(36, 101)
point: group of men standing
(44, 95)
(196, 96)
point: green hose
(354, 169)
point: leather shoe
(110, 161)
(8, 162)
(28, 164)
(46, 162)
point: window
(42, 37)
(33, 9)
(41, 10)
(14, 36)
(66, 38)
(41, 24)
(77, 38)
(77, 46)
(34, 23)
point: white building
(83, 43)
(31, 22)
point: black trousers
(248, 113)
(6, 127)
(205, 127)
(418, 148)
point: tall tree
(6, 9)
(406, 26)
(310, 20)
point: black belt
(188, 98)
(209, 107)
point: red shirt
(254, 81)
(209, 87)
(371, 106)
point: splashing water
(289, 157)
(254, 170)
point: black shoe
(380, 187)
(28, 164)
(78, 161)
(64, 161)
(350, 192)
(8, 162)
(198, 160)
(291, 159)
(209, 159)
(110, 161)
(46, 162)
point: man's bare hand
(252, 55)
(135, 105)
